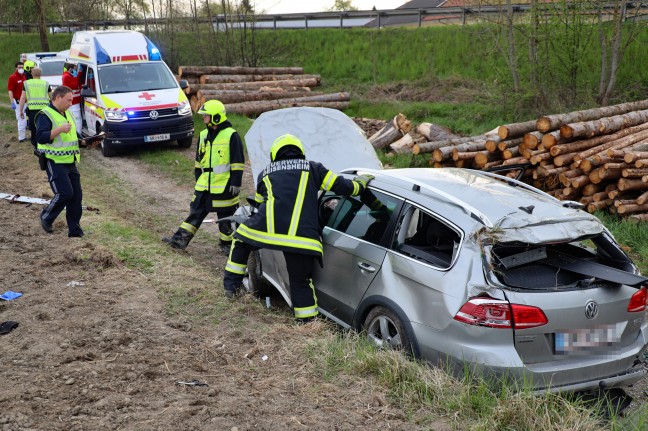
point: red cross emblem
(146, 96)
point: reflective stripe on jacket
(288, 217)
(36, 94)
(215, 161)
(65, 147)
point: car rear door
(354, 235)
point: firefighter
(287, 220)
(219, 172)
(28, 66)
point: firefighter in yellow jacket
(219, 172)
(287, 220)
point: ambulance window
(90, 82)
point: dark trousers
(300, 273)
(31, 124)
(198, 210)
(65, 181)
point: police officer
(58, 149)
(219, 173)
(36, 97)
(287, 220)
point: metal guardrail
(302, 20)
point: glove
(235, 190)
(363, 180)
(13, 105)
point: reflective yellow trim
(189, 228)
(236, 268)
(299, 203)
(302, 313)
(225, 237)
(356, 189)
(221, 203)
(270, 228)
(237, 166)
(328, 181)
(258, 198)
(280, 239)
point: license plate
(588, 339)
(157, 138)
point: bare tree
(42, 29)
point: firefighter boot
(179, 240)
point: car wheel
(107, 149)
(185, 143)
(385, 330)
(256, 285)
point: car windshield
(135, 77)
(51, 68)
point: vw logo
(591, 309)
(154, 115)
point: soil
(99, 346)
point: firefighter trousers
(300, 273)
(198, 210)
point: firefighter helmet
(285, 141)
(28, 65)
(215, 109)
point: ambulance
(128, 92)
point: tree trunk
(444, 153)
(532, 139)
(238, 70)
(625, 184)
(433, 132)
(42, 29)
(393, 131)
(255, 108)
(238, 96)
(403, 145)
(308, 82)
(428, 147)
(633, 156)
(225, 79)
(604, 125)
(554, 122)
(611, 141)
(633, 173)
(516, 130)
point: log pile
(254, 90)
(598, 157)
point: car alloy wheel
(385, 330)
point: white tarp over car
(329, 137)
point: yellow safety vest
(65, 147)
(36, 94)
(215, 161)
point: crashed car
(463, 268)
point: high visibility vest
(65, 147)
(215, 162)
(36, 94)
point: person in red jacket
(15, 88)
(70, 79)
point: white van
(128, 91)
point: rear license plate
(588, 339)
(157, 138)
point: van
(128, 92)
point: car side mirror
(184, 84)
(87, 92)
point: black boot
(179, 240)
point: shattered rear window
(579, 264)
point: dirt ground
(98, 348)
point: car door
(354, 233)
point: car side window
(365, 217)
(424, 237)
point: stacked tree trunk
(598, 157)
(254, 90)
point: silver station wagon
(463, 268)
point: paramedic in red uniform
(71, 79)
(15, 88)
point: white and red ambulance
(128, 91)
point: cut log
(239, 96)
(633, 156)
(515, 161)
(393, 131)
(638, 218)
(429, 147)
(484, 157)
(237, 70)
(604, 125)
(307, 82)
(532, 139)
(580, 181)
(565, 177)
(445, 153)
(632, 208)
(224, 79)
(553, 138)
(515, 130)
(511, 152)
(625, 184)
(617, 140)
(564, 159)
(600, 196)
(255, 108)
(434, 132)
(508, 144)
(403, 145)
(633, 173)
(536, 159)
(553, 122)
(643, 198)
(597, 206)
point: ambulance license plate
(157, 138)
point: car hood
(150, 99)
(329, 137)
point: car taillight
(638, 301)
(494, 313)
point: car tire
(185, 143)
(256, 285)
(107, 148)
(385, 329)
